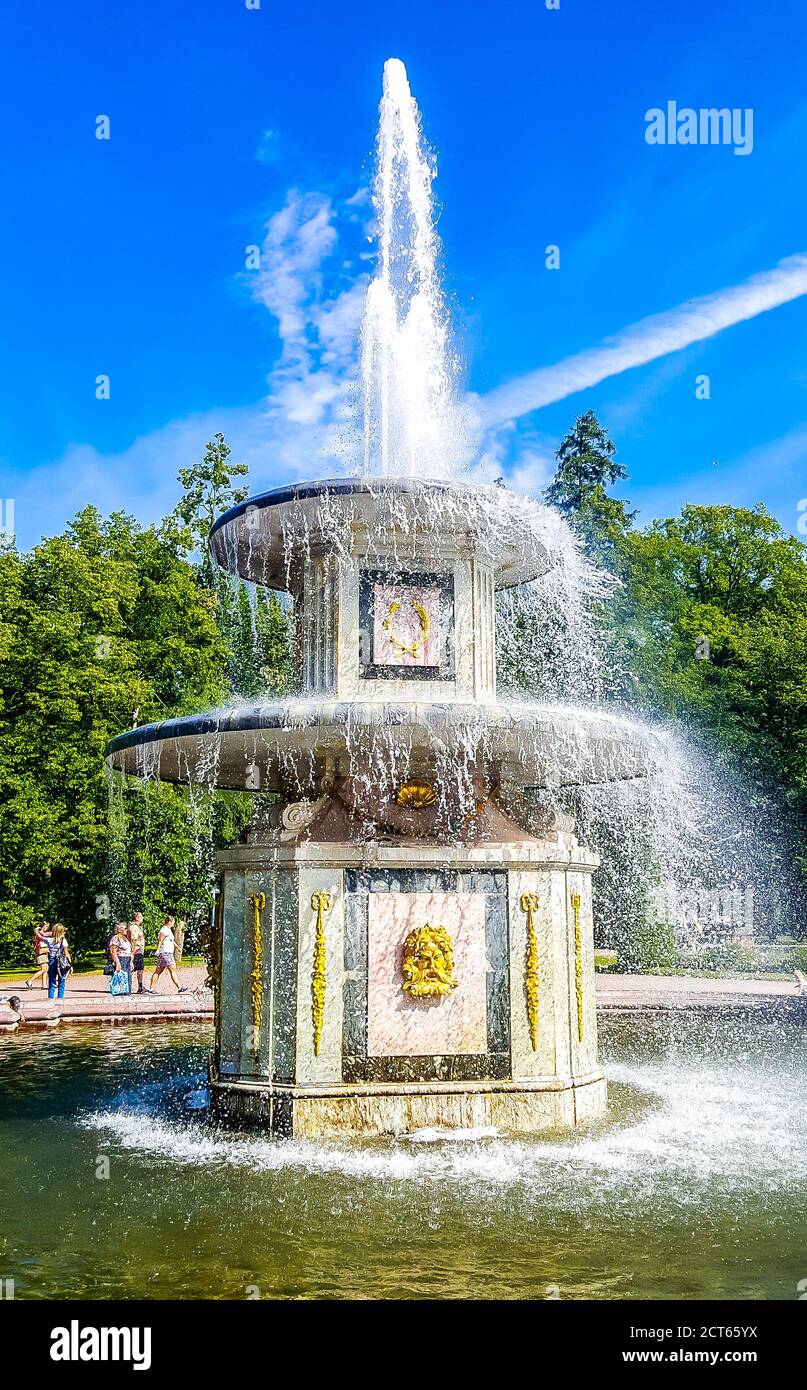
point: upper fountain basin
(264, 746)
(269, 537)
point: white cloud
(311, 383)
(647, 340)
(526, 463)
(313, 283)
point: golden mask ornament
(427, 964)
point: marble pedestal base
(509, 1106)
(317, 1032)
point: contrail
(648, 339)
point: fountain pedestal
(319, 1032)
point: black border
(493, 1065)
(443, 583)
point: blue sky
(232, 127)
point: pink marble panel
(399, 1026)
(406, 625)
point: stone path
(87, 999)
(684, 991)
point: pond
(694, 1186)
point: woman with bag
(59, 962)
(137, 936)
(120, 949)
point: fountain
(404, 937)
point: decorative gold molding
(529, 904)
(408, 648)
(320, 903)
(578, 964)
(258, 901)
(427, 962)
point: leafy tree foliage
(207, 491)
(587, 467)
(707, 628)
(106, 626)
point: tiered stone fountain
(396, 949)
(401, 939)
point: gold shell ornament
(417, 645)
(427, 964)
(414, 796)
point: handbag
(63, 965)
(119, 984)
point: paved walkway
(684, 991)
(87, 999)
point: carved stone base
(320, 1031)
(555, 1103)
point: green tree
(254, 626)
(587, 468)
(102, 627)
(207, 492)
(707, 629)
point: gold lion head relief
(427, 964)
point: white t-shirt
(166, 944)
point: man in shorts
(137, 936)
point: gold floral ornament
(414, 647)
(320, 903)
(415, 796)
(578, 964)
(258, 901)
(529, 905)
(427, 964)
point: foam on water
(689, 1125)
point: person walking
(41, 952)
(59, 962)
(120, 949)
(137, 936)
(166, 945)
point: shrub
(650, 946)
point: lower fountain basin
(254, 747)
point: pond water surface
(694, 1186)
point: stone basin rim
(510, 568)
(303, 722)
